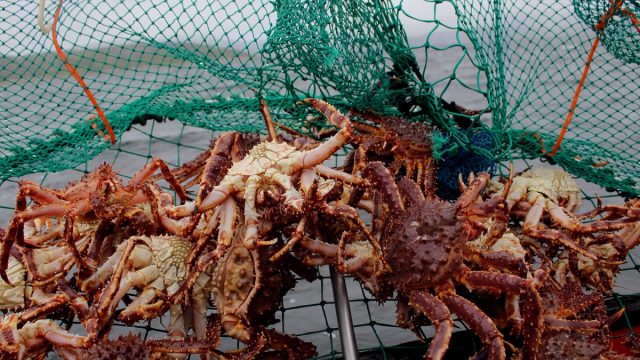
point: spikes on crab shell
(125, 347)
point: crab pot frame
(308, 311)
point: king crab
(553, 192)
(271, 167)
(423, 242)
(98, 195)
(154, 264)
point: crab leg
(47, 263)
(199, 304)
(481, 324)
(217, 195)
(103, 308)
(558, 214)
(15, 232)
(52, 304)
(145, 173)
(513, 285)
(440, 316)
(330, 173)
(49, 330)
(251, 217)
(307, 179)
(204, 237)
(298, 234)
(228, 218)
(38, 193)
(217, 165)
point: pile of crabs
(511, 257)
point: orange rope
(77, 76)
(632, 17)
(615, 6)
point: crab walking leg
(330, 173)
(138, 309)
(481, 324)
(513, 285)
(251, 217)
(176, 328)
(103, 308)
(49, 330)
(440, 316)
(292, 197)
(217, 164)
(39, 194)
(319, 154)
(14, 233)
(328, 251)
(204, 237)
(631, 236)
(52, 304)
(199, 302)
(145, 173)
(531, 224)
(228, 217)
(297, 235)
(307, 178)
(137, 278)
(559, 216)
(332, 114)
(574, 325)
(217, 195)
(141, 256)
(43, 263)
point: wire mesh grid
(173, 75)
(308, 310)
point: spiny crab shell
(247, 288)
(554, 183)
(423, 238)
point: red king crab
(99, 194)
(153, 264)
(268, 163)
(423, 242)
(550, 191)
(398, 142)
(578, 327)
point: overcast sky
(198, 21)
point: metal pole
(347, 335)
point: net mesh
(200, 65)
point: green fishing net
(495, 78)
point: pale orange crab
(98, 195)
(553, 192)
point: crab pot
(494, 80)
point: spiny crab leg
(298, 234)
(251, 217)
(440, 316)
(102, 310)
(15, 232)
(481, 324)
(147, 171)
(531, 228)
(228, 219)
(47, 264)
(559, 215)
(330, 173)
(34, 335)
(217, 195)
